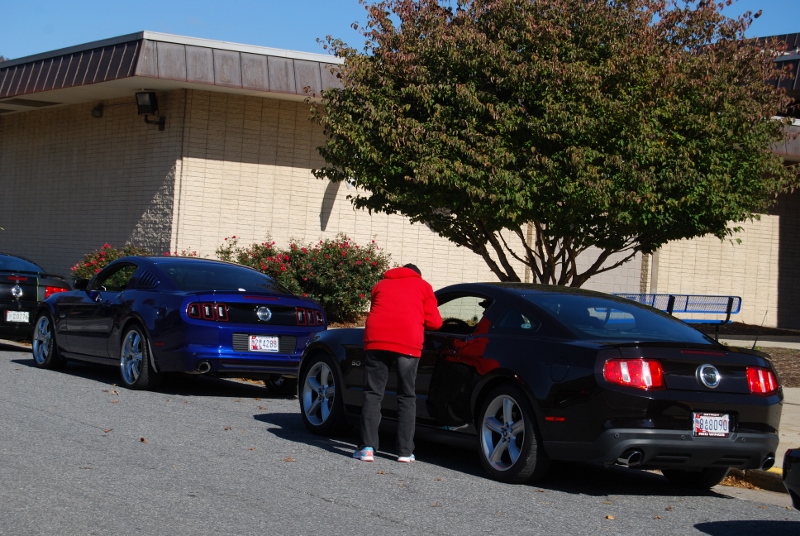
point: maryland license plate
(263, 343)
(17, 316)
(711, 425)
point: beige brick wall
(225, 165)
(749, 269)
(71, 182)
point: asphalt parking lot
(81, 455)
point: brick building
(79, 168)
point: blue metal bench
(692, 304)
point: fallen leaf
(262, 408)
(539, 491)
(115, 401)
(289, 459)
(668, 508)
(381, 472)
(143, 440)
(257, 399)
(85, 467)
(658, 517)
(107, 430)
(437, 504)
(252, 448)
(227, 428)
(610, 517)
(438, 479)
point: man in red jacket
(402, 307)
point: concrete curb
(771, 480)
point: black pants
(377, 375)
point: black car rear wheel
(44, 347)
(695, 479)
(134, 363)
(510, 446)
(320, 396)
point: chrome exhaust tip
(631, 458)
(768, 462)
(203, 367)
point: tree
(618, 124)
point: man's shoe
(406, 459)
(367, 454)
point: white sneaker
(406, 459)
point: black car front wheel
(695, 479)
(510, 446)
(134, 363)
(320, 396)
(43, 344)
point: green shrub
(337, 273)
(94, 262)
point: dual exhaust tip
(202, 367)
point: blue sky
(34, 26)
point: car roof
(505, 287)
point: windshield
(192, 276)
(595, 317)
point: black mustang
(533, 373)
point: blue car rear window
(594, 317)
(210, 276)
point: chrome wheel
(319, 392)
(130, 362)
(44, 346)
(42, 340)
(510, 445)
(502, 433)
(320, 402)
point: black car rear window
(15, 264)
(595, 317)
(191, 276)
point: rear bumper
(254, 365)
(671, 449)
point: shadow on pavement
(172, 384)
(749, 527)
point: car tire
(510, 446)
(136, 369)
(320, 396)
(695, 479)
(44, 346)
(281, 385)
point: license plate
(711, 425)
(17, 316)
(262, 343)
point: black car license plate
(711, 425)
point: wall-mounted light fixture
(147, 104)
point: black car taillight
(639, 373)
(214, 312)
(308, 317)
(761, 381)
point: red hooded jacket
(403, 307)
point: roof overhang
(120, 66)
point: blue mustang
(156, 315)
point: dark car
(791, 475)
(531, 373)
(23, 284)
(156, 315)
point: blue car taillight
(214, 312)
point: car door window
(115, 280)
(514, 321)
(461, 314)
